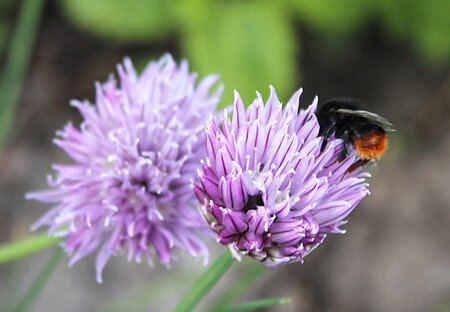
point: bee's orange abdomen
(371, 146)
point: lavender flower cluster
(267, 190)
(263, 186)
(134, 157)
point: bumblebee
(364, 130)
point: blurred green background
(392, 54)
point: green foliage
(425, 23)
(255, 305)
(205, 283)
(7, 5)
(122, 21)
(17, 59)
(250, 44)
(20, 248)
(333, 17)
(237, 287)
(3, 35)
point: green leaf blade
(256, 304)
(16, 250)
(250, 44)
(122, 21)
(17, 60)
(205, 283)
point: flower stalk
(17, 61)
(205, 283)
(18, 249)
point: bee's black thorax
(342, 118)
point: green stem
(250, 272)
(17, 60)
(256, 304)
(205, 283)
(16, 250)
(38, 284)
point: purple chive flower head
(133, 158)
(267, 190)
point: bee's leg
(357, 164)
(344, 152)
(327, 133)
(324, 144)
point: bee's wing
(376, 119)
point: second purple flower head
(133, 157)
(266, 188)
